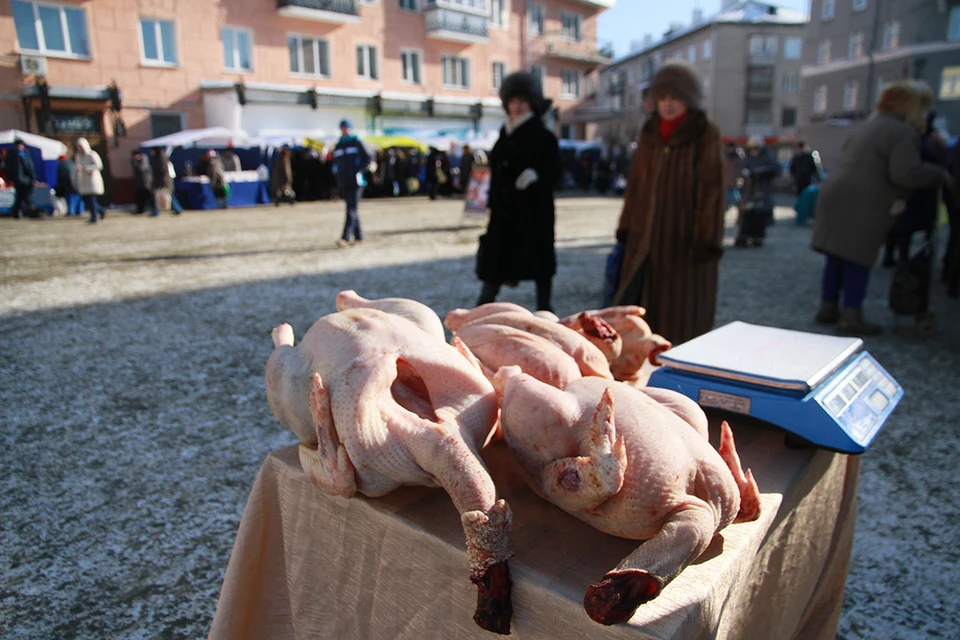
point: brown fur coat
(672, 227)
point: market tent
(210, 137)
(386, 142)
(44, 151)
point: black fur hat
(679, 80)
(522, 84)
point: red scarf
(667, 127)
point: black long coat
(518, 244)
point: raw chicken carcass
(623, 336)
(590, 360)
(631, 464)
(379, 400)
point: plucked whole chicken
(632, 463)
(379, 400)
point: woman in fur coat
(672, 220)
(879, 163)
(525, 166)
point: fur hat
(522, 84)
(909, 99)
(677, 79)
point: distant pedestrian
(350, 160)
(467, 161)
(162, 173)
(803, 168)
(672, 220)
(281, 177)
(759, 169)
(231, 161)
(525, 166)
(430, 182)
(879, 162)
(732, 178)
(218, 182)
(142, 180)
(89, 178)
(21, 172)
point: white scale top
(764, 356)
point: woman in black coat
(525, 164)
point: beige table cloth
(309, 565)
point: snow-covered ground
(133, 418)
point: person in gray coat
(879, 165)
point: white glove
(525, 179)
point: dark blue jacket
(20, 168)
(350, 158)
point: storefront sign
(76, 123)
(950, 84)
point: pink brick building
(269, 66)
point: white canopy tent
(49, 149)
(209, 137)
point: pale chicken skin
(630, 464)
(379, 400)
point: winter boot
(828, 313)
(851, 323)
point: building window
(410, 59)
(823, 52)
(535, 18)
(571, 25)
(820, 99)
(499, 72)
(706, 90)
(792, 48)
(692, 53)
(678, 54)
(367, 62)
(850, 90)
(163, 124)
(237, 49)
(763, 46)
(788, 117)
(760, 112)
(856, 45)
(590, 87)
(456, 72)
(158, 42)
(891, 35)
(410, 5)
(760, 78)
(570, 83)
(497, 13)
(657, 60)
(646, 69)
(826, 10)
(707, 49)
(953, 30)
(309, 56)
(50, 28)
(538, 74)
(566, 132)
(859, 5)
(790, 83)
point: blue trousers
(93, 206)
(351, 227)
(843, 275)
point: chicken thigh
(630, 464)
(379, 400)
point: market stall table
(308, 565)
(246, 189)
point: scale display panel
(822, 389)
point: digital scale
(824, 390)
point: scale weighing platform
(822, 389)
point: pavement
(133, 418)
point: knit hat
(346, 123)
(677, 79)
(521, 84)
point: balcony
(596, 4)
(456, 26)
(474, 7)
(563, 48)
(329, 11)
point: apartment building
(853, 48)
(748, 56)
(122, 71)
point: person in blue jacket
(350, 160)
(22, 173)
